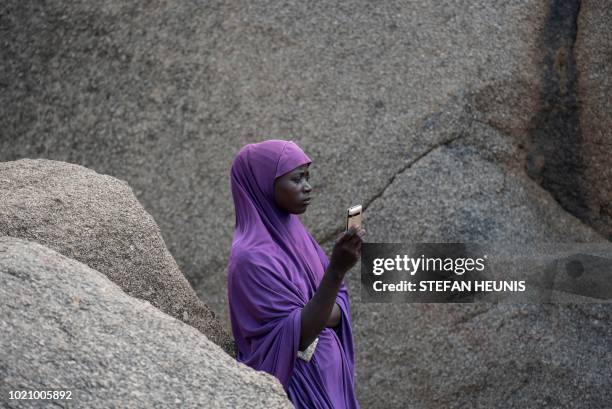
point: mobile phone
(353, 216)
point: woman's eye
(299, 179)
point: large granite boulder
(97, 220)
(469, 188)
(65, 326)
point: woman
(284, 295)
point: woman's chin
(301, 209)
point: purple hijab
(274, 269)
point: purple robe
(275, 268)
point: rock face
(569, 146)
(97, 220)
(468, 189)
(66, 326)
(449, 121)
(594, 60)
(506, 356)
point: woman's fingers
(352, 236)
(356, 239)
(360, 234)
(347, 234)
(342, 236)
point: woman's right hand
(346, 251)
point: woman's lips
(306, 201)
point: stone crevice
(554, 157)
(390, 181)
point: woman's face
(292, 190)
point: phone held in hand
(353, 216)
